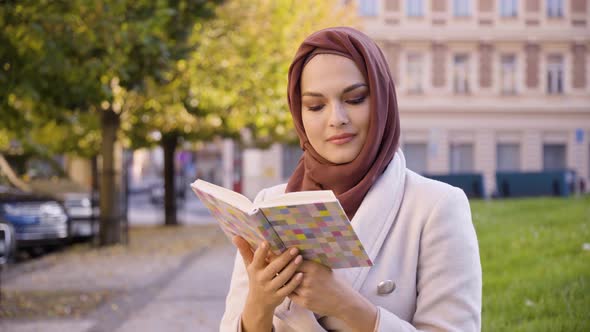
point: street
(143, 212)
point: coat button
(385, 287)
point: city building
(486, 86)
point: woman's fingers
(270, 256)
(291, 285)
(244, 248)
(259, 259)
(278, 264)
(283, 277)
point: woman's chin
(342, 158)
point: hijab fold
(350, 181)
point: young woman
(418, 232)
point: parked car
(7, 242)
(42, 177)
(38, 221)
(75, 199)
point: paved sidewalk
(175, 291)
(193, 301)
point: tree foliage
(62, 59)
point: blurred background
(110, 109)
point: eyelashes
(355, 101)
(315, 108)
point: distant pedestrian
(418, 232)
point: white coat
(419, 234)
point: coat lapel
(376, 215)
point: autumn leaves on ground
(76, 281)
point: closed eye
(357, 101)
(315, 108)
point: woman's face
(335, 107)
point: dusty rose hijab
(350, 181)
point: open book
(312, 221)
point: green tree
(164, 119)
(61, 59)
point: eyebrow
(347, 89)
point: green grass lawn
(536, 274)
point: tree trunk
(169, 143)
(110, 225)
(94, 197)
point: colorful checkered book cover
(312, 221)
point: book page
(229, 196)
(299, 198)
(253, 227)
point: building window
(508, 8)
(414, 71)
(392, 5)
(416, 157)
(461, 160)
(554, 8)
(508, 74)
(555, 74)
(415, 8)
(507, 157)
(554, 157)
(368, 7)
(461, 8)
(461, 73)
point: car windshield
(35, 168)
(42, 169)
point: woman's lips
(341, 139)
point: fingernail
(264, 245)
(293, 251)
(299, 275)
(298, 259)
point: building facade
(486, 86)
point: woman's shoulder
(428, 191)
(442, 208)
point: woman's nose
(338, 115)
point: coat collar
(372, 223)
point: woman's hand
(323, 293)
(269, 283)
